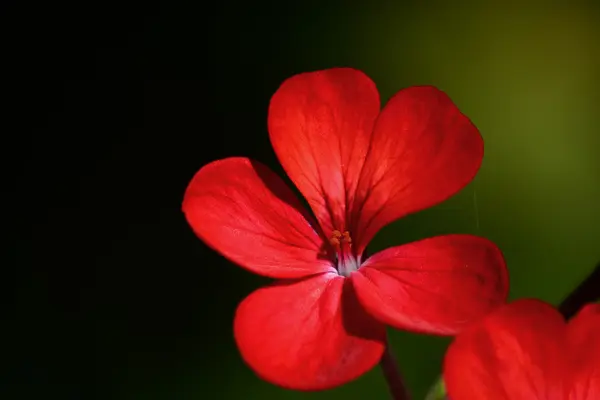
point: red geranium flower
(322, 324)
(525, 351)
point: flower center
(345, 260)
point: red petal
(245, 211)
(515, 353)
(423, 151)
(308, 335)
(584, 349)
(436, 285)
(320, 124)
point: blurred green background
(529, 78)
(127, 304)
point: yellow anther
(338, 237)
(346, 237)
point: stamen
(347, 237)
(342, 244)
(335, 238)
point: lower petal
(436, 285)
(584, 349)
(309, 334)
(515, 353)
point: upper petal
(310, 334)
(515, 353)
(244, 211)
(320, 124)
(436, 285)
(584, 349)
(423, 151)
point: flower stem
(437, 391)
(392, 374)
(588, 291)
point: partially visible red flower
(526, 351)
(322, 324)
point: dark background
(113, 109)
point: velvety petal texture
(310, 334)
(320, 124)
(245, 211)
(423, 151)
(361, 169)
(523, 351)
(436, 285)
(584, 352)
